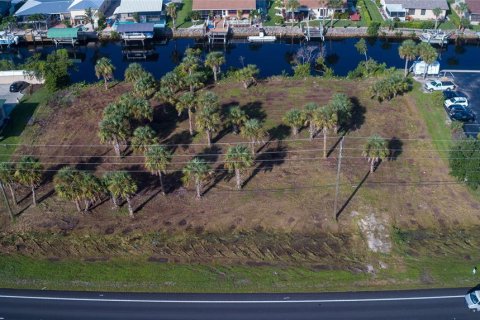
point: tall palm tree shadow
(272, 157)
(345, 205)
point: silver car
(473, 300)
(456, 100)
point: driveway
(11, 98)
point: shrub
(369, 68)
(278, 20)
(302, 70)
(464, 161)
(372, 30)
(390, 87)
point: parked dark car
(18, 86)
(462, 113)
(453, 94)
(454, 108)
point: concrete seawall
(7, 77)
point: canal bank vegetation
(202, 169)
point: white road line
(229, 301)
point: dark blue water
(272, 59)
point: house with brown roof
(314, 9)
(224, 8)
(473, 13)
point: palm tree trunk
(425, 72)
(106, 84)
(366, 57)
(372, 165)
(436, 22)
(312, 131)
(34, 197)
(198, 188)
(160, 177)
(324, 143)
(116, 147)
(130, 209)
(87, 206)
(190, 120)
(295, 130)
(406, 67)
(12, 192)
(114, 200)
(331, 21)
(253, 147)
(214, 74)
(209, 138)
(77, 204)
(239, 178)
(245, 84)
(10, 213)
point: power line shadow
(345, 205)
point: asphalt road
(391, 305)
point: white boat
(262, 38)
(8, 39)
(435, 37)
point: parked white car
(457, 100)
(473, 300)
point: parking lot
(469, 85)
(11, 98)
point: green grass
(183, 14)
(434, 117)
(374, 11)
(11, 133)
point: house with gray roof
(59, 10)
(146, 11)
(414, 9)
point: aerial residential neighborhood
(239, 159)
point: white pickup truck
(437, 85)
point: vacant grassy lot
(279, 233)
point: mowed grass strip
(19, 118)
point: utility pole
(337, 184)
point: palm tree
(334, 5)
(428, 54)
(237, 160)
(408, 51)
(375, 150)
(208, 120)
(437, 12)
(194, 80)
(172, 12)
(114, 129)
(187, 102)
(143, 138)
(67, 185)
(136, 108)
(134, 72)
(361, 47)
(291, 6)
(157, 159)
(191, 60)
(325, 119)
(146, 86)
(247, 75)
(342, 106)
(295, 119)
(104, 69)
(121, 185)
(91, 189)
(253, 130)
(197, 170)
(462, 8)
(29, 173)
(309, 111)
(7, 178)
(236, 118)
(214, 61)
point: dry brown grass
(290, 192)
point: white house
(147, 11)
(78, 10)
(315, 9)
(224, 8)
(414, 9)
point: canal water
(272, 59)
